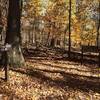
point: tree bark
(13, 35)
(98, 29)
(69, 48)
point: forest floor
(47, 76)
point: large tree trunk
(13, 35)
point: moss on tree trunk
(16, 58)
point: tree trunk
(70, 8)
(98, 29)
(13, 35)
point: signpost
(4, 51)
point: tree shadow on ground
(69, 80)
(67, 68)
(90, 61)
